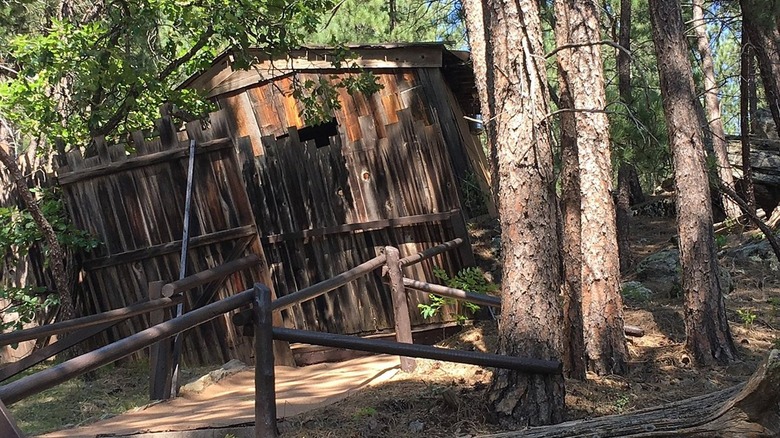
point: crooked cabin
(392, 168)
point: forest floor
(442, 399)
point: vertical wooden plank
(159, 353)
(403, 327)
(266, 117)
(102, 149)
(265, 400)
(167, 133)
(465, 151)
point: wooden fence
(261, 318)
(323, 208)
(134, 203)
(316, 210)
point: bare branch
(768, 233)
(592, 43)
(11, 72)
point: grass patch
(78, 402)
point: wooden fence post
(265, 393)
(403, 326)
(460, 230)
(8, 427)
(159, 353)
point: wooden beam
(328, 285)
(86, 321)
(33, 384)
(361, 226)
(192, 281)
(50, 350)
(142, 160)
(222, 82)
(403, 326)
(265, 389)
(529, 365)
(431, 252)
(168, 248)
(484, 300)
(8, 427)
(211, 289)
(159, 353)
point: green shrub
(470, 280)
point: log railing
(87, 321)
(262, 309)
(79, 329)
(727, 414)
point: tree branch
(178, 62)
(135, 90)
(11, 72)
(577, 110)
(592, 43)
(768, 233)
(56, 254)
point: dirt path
(231, 400)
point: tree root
(751, 409)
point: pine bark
(764, 33)
(577, 24)
(476, 33)
(56, 254)
(574, 344)
(747, 87)
(708, 337)
(475, 25)
(531, 319)
(712, 108)
(623, 218)
(623, 199)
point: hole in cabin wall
(321, 133)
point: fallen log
(748, 410)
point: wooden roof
(222, 78)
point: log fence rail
(265, 334)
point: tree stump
(748, 410)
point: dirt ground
(442, 399)
(446, 400)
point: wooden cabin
(390, 168)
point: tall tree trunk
(623, 217)
(762, 29)
(531, 319)
(708, 337)
(747, 89)
(577, 24)
(623, 200)
(573, 342)
(56, 254)
(475, 24)
(712, 108)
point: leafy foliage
(469, 279)
(18, 234)
(99, 73)
(321, 98)
(375, 21)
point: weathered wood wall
(321, 210)
(134, 203)
(269, 109)
(389, 177)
